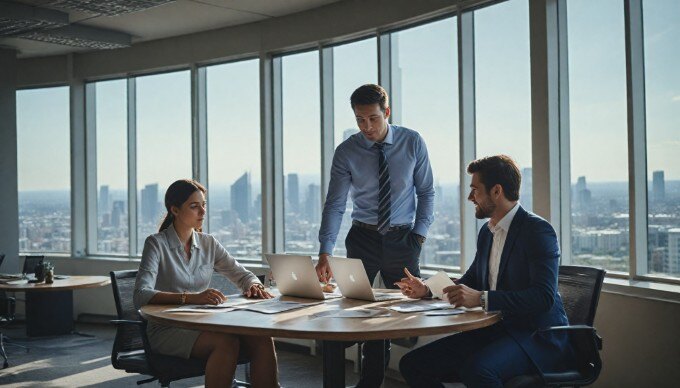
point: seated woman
(176, 268)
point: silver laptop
(353, 281)
(295, 276)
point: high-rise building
(103, 200)
(658, 186)
(257, 206)
(582, 195)
(240, 197)
(293, 193)
(673, 264)
(117, 213)
(150, 203)
(313, 203)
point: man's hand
(323, 269)
(412, 286)
(462, 295)
(209, 296)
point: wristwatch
(421, 239)
(482, 300)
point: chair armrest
(576, 329)
(119, 322)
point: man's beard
(482, 211)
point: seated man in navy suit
(514, 272)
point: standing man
(388, 171)
(514, 272)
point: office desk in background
(332, 331)
(49, 307)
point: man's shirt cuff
(326, 247)
(420, 229)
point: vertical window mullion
(327, 118)
(637, 142)
(466, 101)
(564, 135)
(275, 192)
(132, 164)
(78, 169)
(199, 135)
(91, 166)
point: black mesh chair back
(30, 262)
(580, 290)
(131, 351)
(128, 337)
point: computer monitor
(30, 262)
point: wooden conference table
(49, 307)
(302, 324)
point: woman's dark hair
(498, 170)
(370, 94)
(178, 193)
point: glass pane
(597, 114)
(112, 201)
(425, 98)
(43, 130)
(354, 64)
(235, 203)
(301, 152)
(163, 144)
(503, 86)
(662, 87)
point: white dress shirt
(500, 232)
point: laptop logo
(294, 276)
(351, 277)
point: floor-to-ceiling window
(44, 170)
(354, 64)
(234, 198)
(163, 144)
(503, 86)
(662, 101)
(301, 151)
(425, 99)
(112, 167)
(598, 129)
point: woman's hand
(412, 286)
(257, 291)
(209, 296)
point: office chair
(7, 309)
(131, 350)
(580, 290)
(30, 262)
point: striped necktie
(384, 193)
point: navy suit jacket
(526, 288)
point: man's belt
(375, 227)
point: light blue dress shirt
(355, 168)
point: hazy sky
(427, 59)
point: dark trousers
(389, 254)
(479, 358)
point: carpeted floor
(77, 361)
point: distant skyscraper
(525, 192)
(150, 203)
(293, 193)
(257, 206)
(117, 213)
(658, 186)
(673, 264)
(348, 132)
(313, 203)
(240, 197)
(582, 193)
(103, 200)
